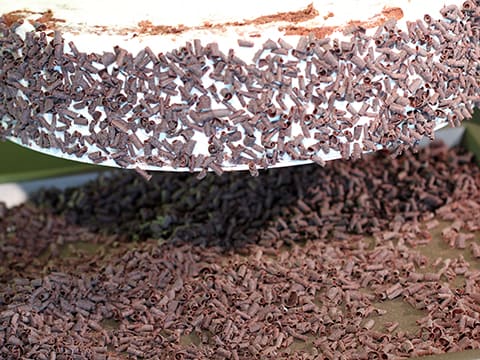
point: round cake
(225, 85)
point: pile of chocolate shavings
(99, 296)
(374, 193)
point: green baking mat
(20, 164)
(471, 139)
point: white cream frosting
(98, 26)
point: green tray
(471, 139)
(21, 164)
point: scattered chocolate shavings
(298, 263)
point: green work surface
(471, 139)
(20, 164)
(476, 117)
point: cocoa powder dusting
(11, 18)
(147, 27)
(318, 32)
(324, 31)
(292, 16)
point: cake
(221, 86)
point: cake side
(242, 101)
